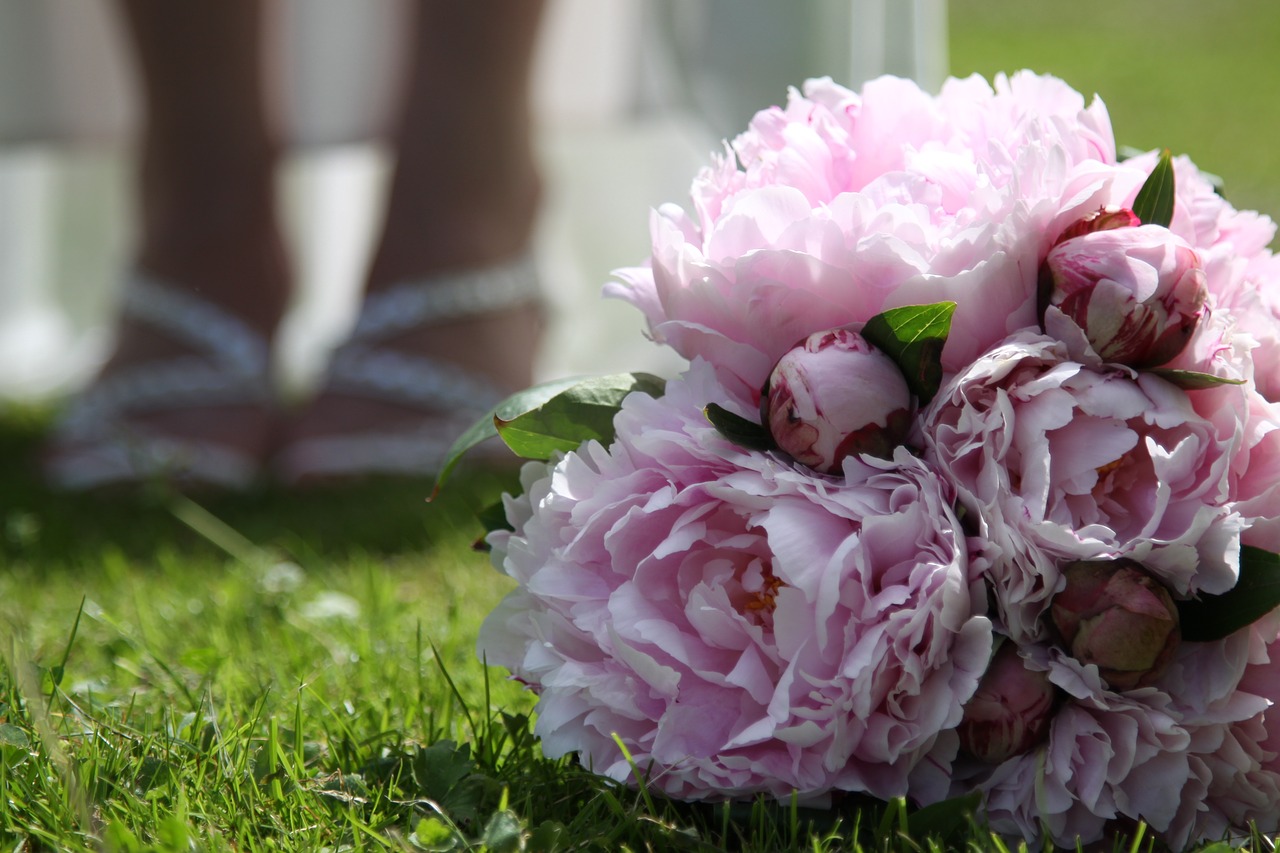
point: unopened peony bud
(834, 395)
(1114, 614)
(1136, 293)
(1102, 219)
(1011, 710)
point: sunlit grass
(279, 672)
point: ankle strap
(448, 296)
(221, 336)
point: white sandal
(452, 397)
(93, 443)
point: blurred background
(631, 96)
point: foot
(424, 362)
(185, 398)
(459, 220)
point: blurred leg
(465, 190)
(208, 245)
(462, 200)
(207, 205)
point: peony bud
(835, 395)
(1136, 293)
(1113, 613)
(1011, 710)
(1102, 219)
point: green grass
(296, 671)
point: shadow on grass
(379, 516)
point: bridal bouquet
(971, 487)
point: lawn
(282, 671)
(294, 672)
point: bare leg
(466, 188)
(206, 210)
(463, 196)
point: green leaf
(50, 678)
(445, 773)
(503, 833)
(173, 834)
(485, 429)
(11, 735)
(527, 401)
(913, 336)
(1154, 204)
(945, 819)
(433, 834)
(579, 413)
(1193, 380)
(1219, 847)
(1256, 593)
(738, 429)
(119, 837)
(550, 835)
(440, 766)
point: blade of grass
(641, 781)
(453, 687)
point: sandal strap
(202, 325)
(134, 458)
(446, 297)
(410, 380)
(449, 397)
(231, 366)
(409, 453)
(180, 383)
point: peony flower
(1113, 614)
(1106, 759)
(1241, 273)
(1058, 461)
(815, 619)
(741, 624)
(840, 205)
(1102, 219)
(1186, 755)
(1242, 792)
(1011, 711)
(1136, 293)
(1221, 349)
(834, 395)
(1256, 488)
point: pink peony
(1102, 219)
(1241, 273)
(1058, 461)
(1252, 795)
(1184, 755)
(834, 395)
(1221, 349)
(1011, 711)
(844, 204)
(745, 624)
(741, 624)
(1136, 293)
(1250, 289)
(1113, 614)
(1257, 486)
